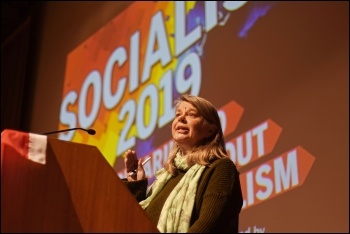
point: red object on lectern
(49, 185)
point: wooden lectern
(76, 190)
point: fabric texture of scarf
(176, 212)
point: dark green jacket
(218, 199)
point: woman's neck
(182, 152)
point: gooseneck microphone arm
(90, 131)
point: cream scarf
(177, 210)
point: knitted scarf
(176, 212)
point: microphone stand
(89, 131)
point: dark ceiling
(13, 13)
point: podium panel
(75, 190)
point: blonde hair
(209, 149)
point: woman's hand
(133, 164)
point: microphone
(89, 131)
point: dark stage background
(277, 71)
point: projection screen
(277, 73)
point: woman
(198, 190)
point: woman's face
(188, 128)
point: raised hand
(133, 164)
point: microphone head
(91, 131)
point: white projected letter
(166, 84)
(231, 151)
(282, 176)
(259, 133)
(157, 36)
(250, 188)
(223, 120)
(211, 15)
(94, 79)
(127, 114)
(183, 41)
(264, 182)
(157, 160)
(149, 93)
(66, 117)
(233, 5)
(193, 82)
(244, 159)
(134, 62)
(110, 100)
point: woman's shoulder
(223, 163)
(222, 170)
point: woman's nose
(181, 118)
